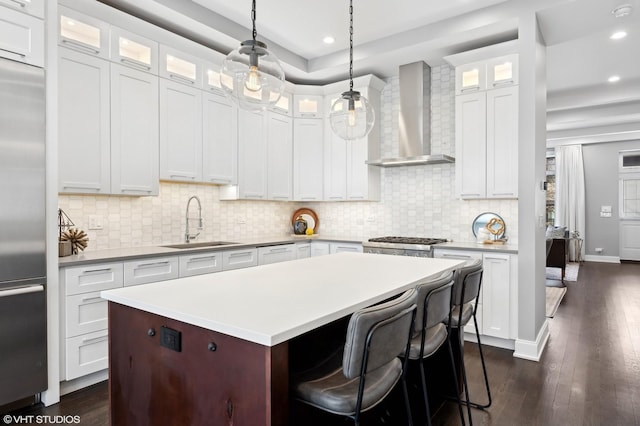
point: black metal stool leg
(455, 381)
(484, 370)
(423, 381)
(464, 376)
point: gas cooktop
(408, 240)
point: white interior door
(629, 202)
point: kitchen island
(213, 349)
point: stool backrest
(468, 279)
(377, 334)
(439, 304)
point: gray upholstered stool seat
(467, 312)
(370, 365)
(337, 394)
(435, 337)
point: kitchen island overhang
(248, 315)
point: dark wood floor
(589, 373)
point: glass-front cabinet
(83, 33)
(134, 51)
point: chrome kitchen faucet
(187, 235)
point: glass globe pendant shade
(351, 116)
(252, 76)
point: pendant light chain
(350, 45)
(253, 19)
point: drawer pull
(94, 340)
(20, 2)
(212, 347)
(151, 332)
(503, 259)
(457, 256)
(92, 299)
(151, 265)
(96, 271)
(246, 253)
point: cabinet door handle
(182, 176)
(89, 341)
(95, 271)
(457, 256)
(81, 46)
(181, 78)
(469, 89)
(246, 253)
(20, 2)
(21, 290)
(502, 82)
(92, 299)
(81, 187)
(22, 55)
(278, 250)
(135, 64)
(495, 258)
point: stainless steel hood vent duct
(415, 120)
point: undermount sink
(199, 245)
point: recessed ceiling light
(328, 40)
(618, 35)
(614, 78)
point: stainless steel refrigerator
(23, 284)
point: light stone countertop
(271, 304)
(473, 246)
(131, 253)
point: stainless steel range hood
(414, 120)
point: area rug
(570, 272)
(554, 297)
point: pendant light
(251, 75)
(351, 115)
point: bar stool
(466, 288)
(370, 364)
(430, 332)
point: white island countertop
(271, 304)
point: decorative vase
(300, 226)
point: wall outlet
(599, 250)
(95, 222)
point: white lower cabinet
(83, 319)
(497, 306)
(275, 254)
(319, 248)
(303, 250)
(237, 259)
(337, 247)
(152, 270)
(198, 264)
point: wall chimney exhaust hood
(414, 120)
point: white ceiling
(580, 55)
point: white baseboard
(605, 259)
(528, 349)
(83, 382)
(491, 341)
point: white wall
(415, 200)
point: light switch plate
(605, 209)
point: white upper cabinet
(502, 71)
(180, 132)
(487, 130)
(252, 155)
(502, 146)
(308, 106)
(83, 33)
(84, 123)
(180, 67)
(134, 51)
(21, 37)
(335, 166)
(219, 139)
(279, 157)
(284, 104)
(471, 145)
(488, 74)
(471, 78)
(30, 7)
(308, 152)
(134, 132)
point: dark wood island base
(232, 382)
